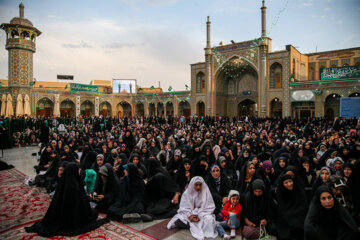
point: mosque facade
(237, 79)
(248, 78)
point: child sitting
(231, 212)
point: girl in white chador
(196, 211)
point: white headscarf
(197, 203)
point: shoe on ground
(146, 218)
(131, 218)
(226, 236)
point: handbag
(263, 234)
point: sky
(155, 41)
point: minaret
(263, 19)
(20, 43)
(263, 48)
(209, 105)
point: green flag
(152, 87)
(187, 87)
(32, 83)
(66, 86)
(291, 77)
(169, 89)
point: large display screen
(125, 86)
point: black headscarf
(256, 208)
(328, 224)
(69, 213)
(291, 210)
(180, 176)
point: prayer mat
(22, 205)
(19, 203)
(112, 231)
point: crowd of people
(291, 178)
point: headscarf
(196, 203)
(256, 208)
(334, 223)
(216, 180)
(266, 165)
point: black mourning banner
(65, 77)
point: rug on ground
(22, 205)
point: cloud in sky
(80, 45)
(157, 40)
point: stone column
(77, 106)
(146, 108)
(97, 105)
(176, 107)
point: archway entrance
(139, 109)
(67, 108)
(169, 109)
(124, 109)
(354, 95)
(152, 109)
(246, 108)
(44, 107)
(184, 108)
(276, 108)
(332, 106)
(160, 109)
(236, 79)
(87, 109)
(105, 109)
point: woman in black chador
(69, 213)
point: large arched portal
(124, 109)
(246, 108)
(67, 108)
(44, 107)
(105, 109)
(236, 81)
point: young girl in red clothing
(231, 212)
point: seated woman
(46, 179)
(184, 175)
(247, 176)
(256, 210)
(44, 159)
(131, 196)
(69, 213)
(106, 188)
(196, 211)
(162, 192)
(324, 177)
(291, 208)
(327, 219)
(219, 186)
